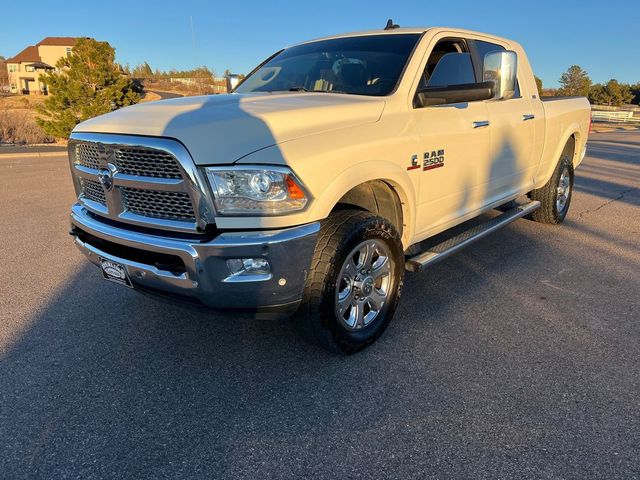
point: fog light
(249, 266)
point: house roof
(58, 41)
(29, 54)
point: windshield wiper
(327, 91)
(303, 89)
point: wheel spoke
(377, 299)
(381, 268)
(360, 254)
(370, 252)
(359, 314)
(349, 266)
(343, 304)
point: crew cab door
(513, 162)
(452, 157)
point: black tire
(549, 212)
(317, 319)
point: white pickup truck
(309, 190)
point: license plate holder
(114, 272)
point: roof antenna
(390, 25)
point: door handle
(481, 123)
(528, 116)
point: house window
(14, 87)
(68, 51)
(29, 68)
(13, 67)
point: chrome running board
(457, 243)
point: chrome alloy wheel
(364, 284)
(564, 189)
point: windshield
(367, 65)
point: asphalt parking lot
(517, 358)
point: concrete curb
(33, 154)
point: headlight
(255, 190)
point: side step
(454, 244)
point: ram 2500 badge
(309, 190)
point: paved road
(166, 95)
(518, 358)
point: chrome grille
(92, 190)
(144, 181)
(88, 155)
(146, 162)
(158, 204)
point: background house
(25, 68)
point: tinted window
(486, 47)
(452, 69)
(367, 65)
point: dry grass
(19, 126)
(162, 85)
(21, 102)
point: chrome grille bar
(153, 203)
(147, 163)
(92, 190)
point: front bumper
(203, 276)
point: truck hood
(220, 129)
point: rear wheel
(354, 284)
(555, 196)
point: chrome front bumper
(206, 278)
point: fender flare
(367, 171)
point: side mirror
(470, 92)
(232, 82)
(501, 68)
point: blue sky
(602, 37)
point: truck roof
(405, 30)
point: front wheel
(354, 284)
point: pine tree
(613, 93)
(86, 84)
(575, 81)
(143, 71)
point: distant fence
(623, 108)
(626, 115)
(613, 117)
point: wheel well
(570, 148)
(377, 197)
